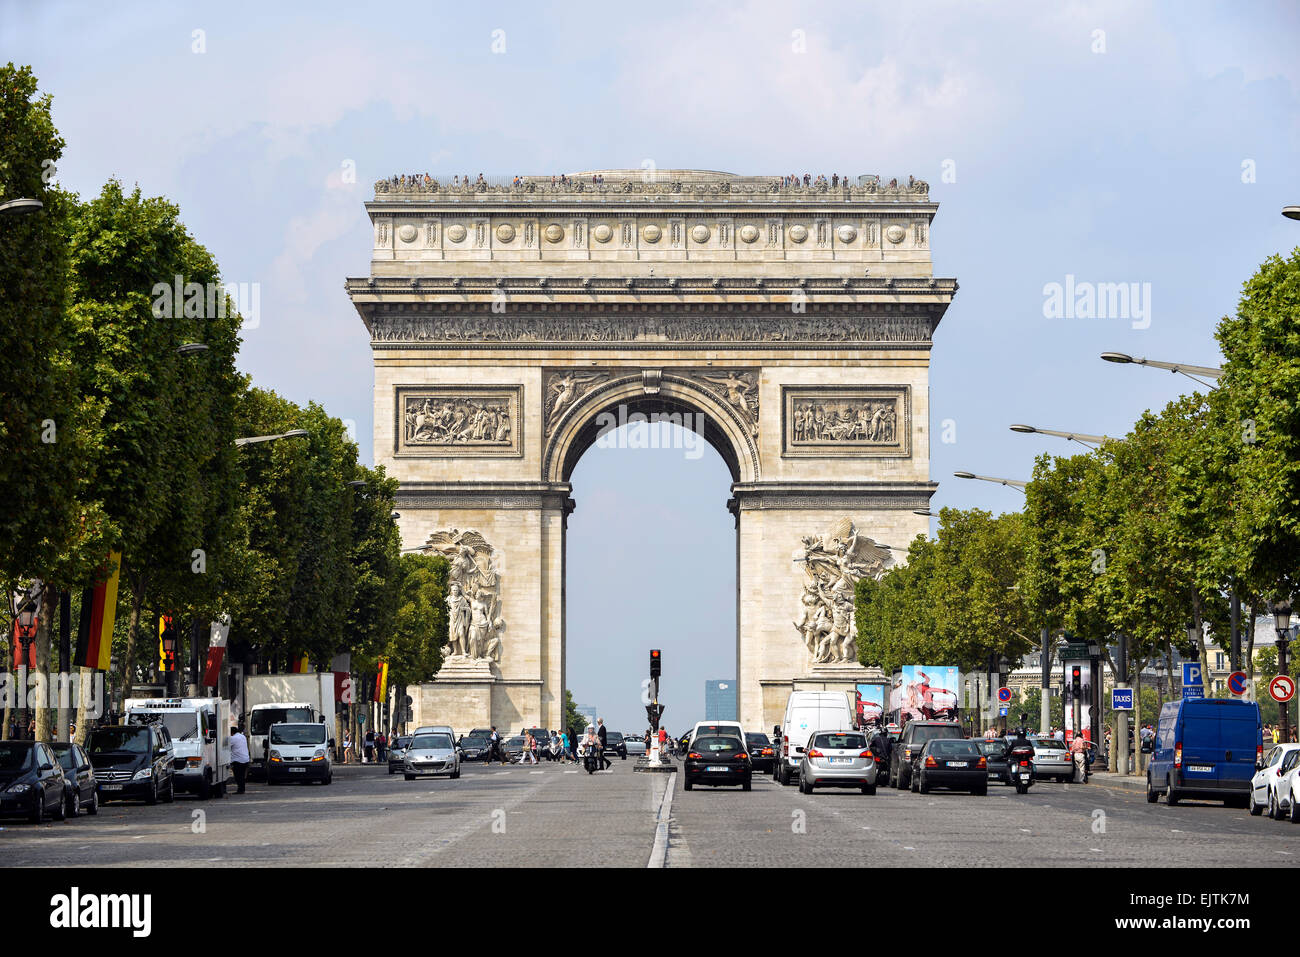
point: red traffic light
(656, 662)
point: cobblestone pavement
(504, 817)
(1054, 825)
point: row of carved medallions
(564, 388)
(819, 231)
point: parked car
(717, 760)
(948, 763)
(909, 745)
(1205, 748)
(635, 743)
(475, 747)
(132, 761)
(434, 729)
(1267, 776)
(839, 759)
(431, 754)
(805, 713)
(31, 782)
(1288, 789)
(731, 728)
(298, 751)
(513, 747)
(396, 751)
(995, 755)
(615, 744)
(79, 775)
(1052, 759)
(761, 753)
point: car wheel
(1171, 793)
(1294, 814)
(455, 774)
(152, 797)
(61, 814)
(687, 784)
(409, 777)
(1255, 809)
(922, 787)
(205, 787)
(391, 769)
(868, 789)
(747, 785)
(914, 785)
(1152, 794)
(1274, 811)
(38, 809)
(94, 803)
(171, 792)
(981, 792)
(74, 801)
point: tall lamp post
(1182, 368)
(1282, 622)
(1083, 438)
(1013, 483)
(27, 622)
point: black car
(909, 744)
(132, 761)
(614, 744)
(81, 793)
(31, 782)
(761, 753)
(953, 764)
(475, 747)
(717, 760)
(995, 754)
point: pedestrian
(573, 744)
(348, 754)
(239, 758)
(564, 747)
(369, 747)
(602, 734)
(381, 746)
(1079, 751)
(530, 746)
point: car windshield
(431, 742)
(757, 740)
(476, 742)
(515, 742)
(109, 740)
(67, 759)
(1049, 744)
(993, 749)
(953, 749)
(181, 725)
(840, 742)
(613, 736)
(263, 718)
(718, 745)
(928, 732)
(298, 734)
(15, 756)
(401, 743)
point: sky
(1066, 143)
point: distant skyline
(1068, 145)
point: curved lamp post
(1210, 372)
(1013, 483)
(21, 206)
(1083, 438)
(254, 439)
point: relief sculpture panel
(846, 420)
(458, 420)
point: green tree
(572, 719)
(419, 632)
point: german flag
(95, 625)
(300, 665)
(381, 682)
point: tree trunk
(1248, 654)
(1137, 718)
(1201, 653)
(132, 625)
(48, 613)
(85, 704)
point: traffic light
(655, 661)
(1076, 681)
(654, 712)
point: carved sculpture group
(455, 420)
(833, 563)
(848, 421)
(474, 622)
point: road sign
(1075, 651)
(1002, 712)
(1193, 691)
(1237, 682)
(1282, 689)
(1191, 672)
(1121, 699)
(1004, 695)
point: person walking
(530, 748)
(348, 754)
(602, 734)
(381, 746)
(369, 755)
(239, 758)
(1079, 751)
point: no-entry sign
(1282, 689)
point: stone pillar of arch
(511, 324)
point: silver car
(431, 754)
(837, 759)
(1052, 758)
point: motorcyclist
(591, 744)
(1020, 747)
(882, 745)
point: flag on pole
(216, 651)
(300, 665)
(381, 684)
(95, 623)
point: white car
(1288, 789)
(431, 753)
(1264, 784)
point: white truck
(275, 699)
(200, 733)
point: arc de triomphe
(793, 322)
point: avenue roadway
(557, 816)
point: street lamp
(1291, 212)
(1210, 372)
(191, 348)
(169, 654)
(1282, 622)
(253, 439)
(21, 206)
(1083, 438)
(1013, 483)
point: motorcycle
(1020, 764)
(591, 758)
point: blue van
(1205, 748)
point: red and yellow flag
(95, 625)
(381, 684)
(300, 665)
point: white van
(298, 751)
(200, 733)
(805, 713)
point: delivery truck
(200, 733)
(274, 699)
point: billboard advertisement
(870, 702)
(922, 692)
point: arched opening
(650, 557)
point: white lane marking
(659, 852)
(536, 772)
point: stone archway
(505, 321)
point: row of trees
(1148, 536)
(115, 439)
